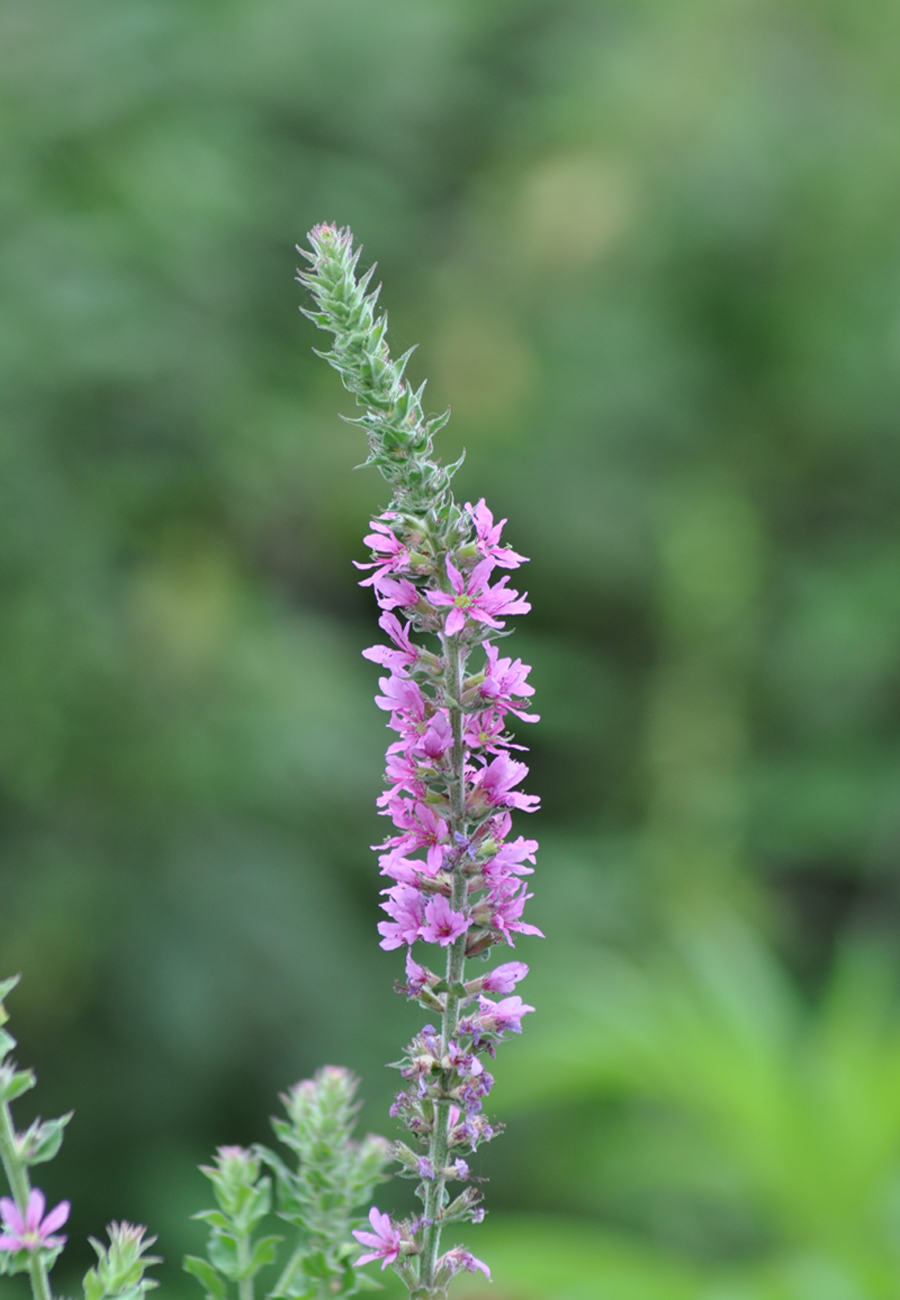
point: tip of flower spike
(327, 236)
(325, 232)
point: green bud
(13, 1083)
(41, 1140)
(119, 1273)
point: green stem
(245, 1284)
(17, 1177)
(456, 961)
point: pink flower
(391, 556)
(401, 772)
(385, 1239)
(475, 599)
(395, 660)
(435, 740)
(458, 1258)
(418, 977)
(503, 979)
(403, 699)
(442, 924)
(510, 859)
(487, 730)
(488, 538)
(504, 684)
(499, 1016)
(32, 1231)
(495, 782)
(404, 905)
(392, 592)
(424, 829)
(503, 914)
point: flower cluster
(457, 878)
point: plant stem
(245, 1284)
(456, 961)
(17, 1177)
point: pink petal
(367, 1259)
(456, 621)
(56, 1218)
(12, 1219)
(367, 1239)
(455, 577)
(35, 1210)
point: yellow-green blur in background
(650, 250)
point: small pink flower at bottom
(385, 1240)
(458, 1258)
(31, 1231)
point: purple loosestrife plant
(457, 878)
(29, 1238)
(321, 1200)
(334, 1178)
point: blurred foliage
(753, 1138)
(650, 251)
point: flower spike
(450, 781)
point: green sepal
(206, 1275)
(458, 989)
(7, 1042)
(19, 1261)
(428, 1002)
(15, 1261)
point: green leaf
(361, 1281)
(205, 1274)
(17, 1084)
(257, 1204)
(93, 1287)
(263, 1253)
(7, 986)
(295, 1288)
(223, 1252)
(215, 1218)
(315, 1264)
(7, 1042)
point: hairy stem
(17, 1177)
(456, 961)
(245, 1284)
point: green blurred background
(651, 252)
